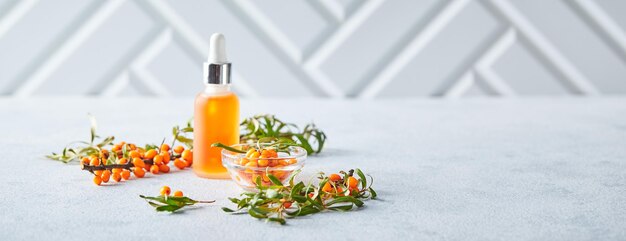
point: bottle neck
(216, 88)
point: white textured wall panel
(331, 48)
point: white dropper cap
(217, 68)
(217, 49)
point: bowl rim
(302, 154)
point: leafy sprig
(277, 202)
(265, 128)
(171, 203)
(78, 149)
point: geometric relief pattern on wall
(329, 48)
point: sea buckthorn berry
(292, 161)
(98, 172)
(165, 147)
(164, 168)
(125, 174)
(263, 162)
(189, 162)
(97, 180)
(255, 154)
(165, 191)
(180, 164)
(327, 187)
(139, 172)
(116, 170)
(249, 153)
(340, 191)
(137, 162)
(122, 161)
(354, 191)
(116, 177)
(272, 153)
(150, 154)
(283, 162)
(352, 182)
(158, 159)
(94, 161)
(244, 161)
(265, 178)
(311, 194)
(132, 146)
(287, 204)
(116, 148)
(166, 157)
(106, 175)
(154, 169)
(273, 163)
(187, 155)
(178, 193)
(179, 149)
(251, 164)
(84, 161)
(334, 177)
(134, 154)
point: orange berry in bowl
(255, 154)
(263, 162)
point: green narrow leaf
(278, 220)
(374, 195)
(232, 149)
(228, 210)
(274, 180)
(363, 179)
(168, 208)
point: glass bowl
(245, 174)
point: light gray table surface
(477, 169)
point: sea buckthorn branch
(118, 161)
(167, 203)
(277, 202)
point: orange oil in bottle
(216, 119)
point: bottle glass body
(216, 119)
